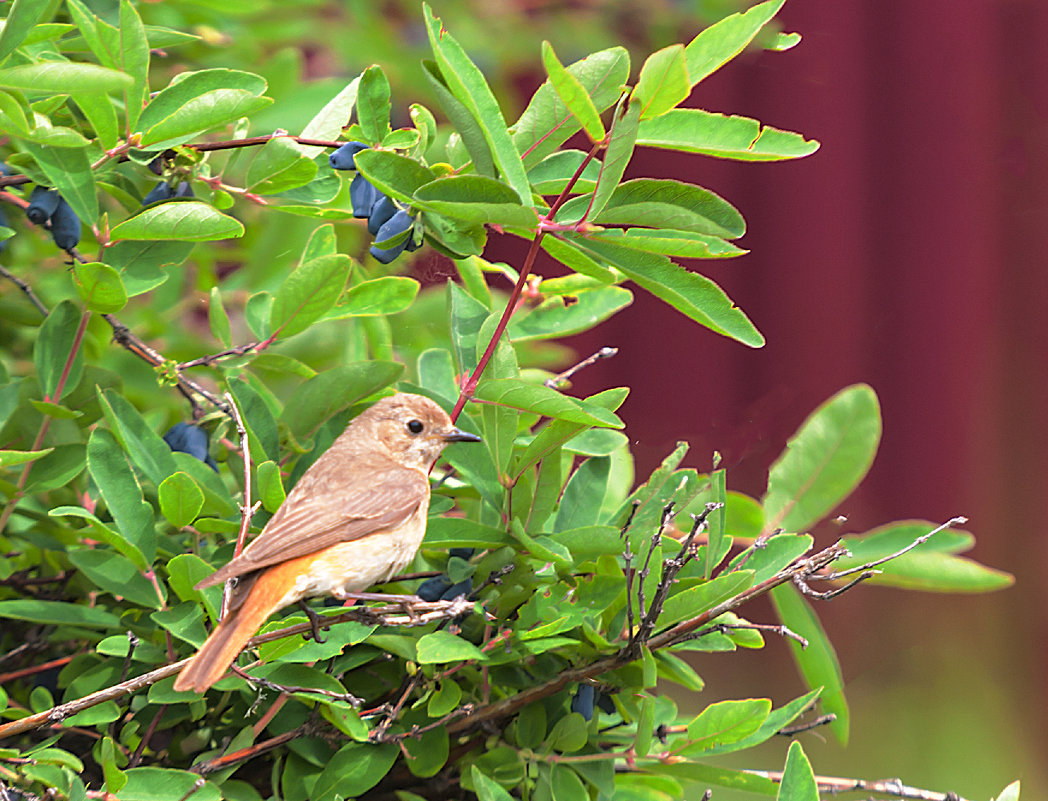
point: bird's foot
(315, 621)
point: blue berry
(363, 196)
(381, 211)
(397, 224)
(42, 204)
(462, 553)
(345, 157)
(162, 191)
(582, 701)
(3, 222)
(184, 190)
(433, 588)
(190, 439)
(65, 226)
(464, 587)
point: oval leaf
(187, 221)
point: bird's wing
(326, 509)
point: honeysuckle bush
(218, 321)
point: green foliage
(583, 592)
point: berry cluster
(47, 206)
(392, 226)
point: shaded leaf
(573, 94)
(308, 294)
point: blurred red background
(909, 252)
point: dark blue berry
(399, 223)
(345, 157)
(65, 226)
(363, 196)
(190, 439)
(464, 587)
(433, 588)
(462, 553)
(582, 701)
(184, 190)
(605, 704)
(162, 191)
(5, 224)
(383, 209)
(42, 204)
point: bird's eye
(415, 426)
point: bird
(355, 518)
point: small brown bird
(355, 518)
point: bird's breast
(354, 566)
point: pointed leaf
(116, 575)
(476, 199)
(616, 158)
(557, 318)
(22, 15)
(281, 164)
(701, 598)
(728, 722)
(667, 242)
(132, 57)
(692, 130)
(393, 174)
(798, 780)
(147, 448)
(462, 121)
(329, 121)
(663, 82)
(542, 400)
(691, 294)
(466, 82)
(308, 293)
(818, 662)
(573, 94)
(373, 106)
(66, 77)
(69, 171)
(316, 400)
(379, 296)
(825, 460)
(57, 613)
(187, 221)
(99, 286)
(440, 647)
(121, 491)
(54, 346)
(724, 40)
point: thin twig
(724, 628)
(150, 729)
(800, 728)
(288, 689)
(28, 290)
(247, 510)
(224, 761)
(604, 353)
(892, 787)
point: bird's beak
(458, 435)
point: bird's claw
(315, 621)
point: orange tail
(232, 633)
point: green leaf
(141, 264)
(58, 613)
(218, 319)
(722, 777)
(132, 56)
(65, 77)
(11, 458)
(445, 698)
(466, 82)
(542, 400)
(663, 82)
(616, 158)
(22, 15)
(798, 781)
(195, 102)
(728, 722)
(180, 499)
(281, 164)
(99, 286)
(446, 532)
(389, 294)
(572, 94)
(316, 400)
(778, 552)
(328, 122)
(54, 346)
(701, 598)
(583, 495)
(771, 726)
(824, 460)
(165, 784)
(668, 242)
(116, 575)
(694, 295)
(428, 752)
(373, 106)
(462, 121)
(120, 490)
(556, 317)
(570, 254)
(931, 566)
(692, 130)
(393, 174)
(308, 294)
(722, 41)
(103, 533)
(487, 789)
(547, 123)
(551, 175)
(262, 432)
(187, 221)
(354, 769)
(69, 171)
(270, 488)
(148, 450)
(441, 647)
(1010, 793)
(466, 317)
(566, 784)
(818, 662)
(568, 734)
(476, 199)
(716, 547)
(664, 203)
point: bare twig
(604, 353)
(288, 689)
(627, 558)
(724, 628)
(150, 729)
(390, 615)
(224, 761)
(378, 734)
(892, 787)
(247, 509)
(800, 728)
(28, 290)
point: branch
(892, 787)
(390, 615)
